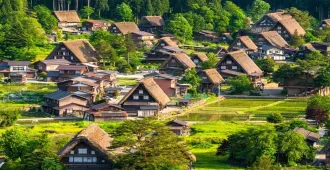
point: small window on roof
(146, 97)
(140, 91)
(72, 152)
(136, 97)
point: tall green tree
(240, 84)
(196, 21)
(86, 12)
(180, 27)
(258, 9)
(237, 18)
(45, 18)
(211, 62)
(101, 6)
(303, 18)
(192, 78)
(155, 146)
(124, 11)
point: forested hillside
(318, 8)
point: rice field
(248, 109)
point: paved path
(48, 119)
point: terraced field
(248, 109)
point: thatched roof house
(75, 51)
(271, 38)
(124, 28)
(213, 76)
(243, 43)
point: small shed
(310, 137)
(179, 127)
(183, 102)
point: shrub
(8, 118)
(275, 118)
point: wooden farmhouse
(123, 28)
(67, 72)
(268, 21)
(105, 112)
(177, 65)
(205, 35)
(89, 149)
(17, 71)
(75, 51)
(211, 81)
(95, 25)
(271, 44)
(143, 39)
(67, 18)
(323, 47)
(310, 137)
(145, 99)
(324, 24)
(243, 43)
(62, 103)
(179, 127)
(162, 50)
(168, 83)
(50, 65)
(152, 24)
(225, 38)
(239, 63)
(198, 59)
(287, 28)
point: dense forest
(320, 9)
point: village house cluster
(74, 65)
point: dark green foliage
(323, 78)
(8, 118)
(192, 78)
(267, 65)
(237, 18)
(124, 12)
(180, 27)
(45, 18)
(275, 118)
(283, 145)
(156, 147)
(211, 62)
(297, 40)
(239, 84)
(86, 12)
(264, 163)
(303, 18)
(258, 9)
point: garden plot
(248, 109)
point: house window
(145, 97)
(162, 44)
(93, 152)
(173, 61)
(77, 159)
(94, 159)
(71, 58)
(140, 91)
(16, 68)
(279, 27)
(62, 71)
(71, 152)
(87, 159)
(70, 159)
(82, 151)
(136, 97)
(234, 67)
(279, 31)
(195, 60)
(223, 67)
(286, 35)
(239, 43)
(62, 48)
(204, 78)
(64, 53)
(77, 72)
(114, 28)
(55, 57)
(228, 61)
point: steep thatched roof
(82, 49)
(291, 25)
(214, 76)
(275, 39)
(156, 21)
(245, 62)
(67, 16)
(127, 27)
(152, 87)
(92, 135)
(182, 58)
(201, 56)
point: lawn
(211, 133)
(248, 109)
(126, 82)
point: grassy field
(204, 143)
(126, 82)
(248, 109)
(42, 51)
(33, 89)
